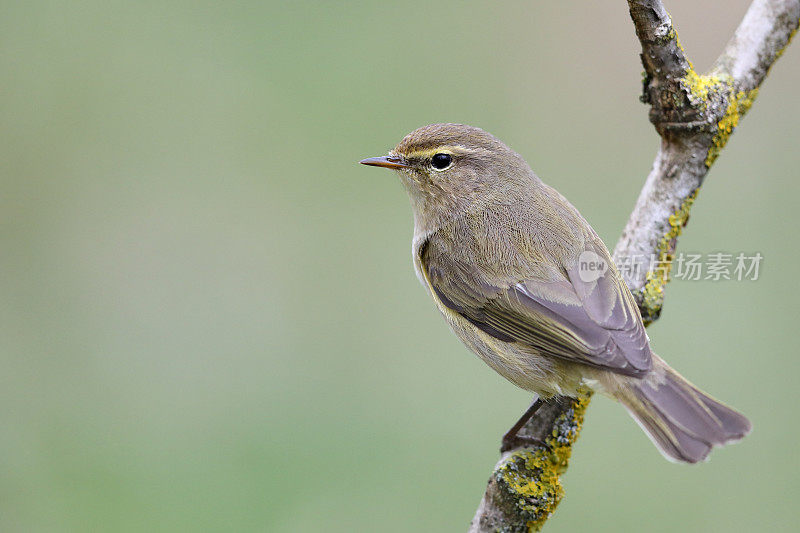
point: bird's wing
(594, 322)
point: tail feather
(682, 421)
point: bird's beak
(386, 161)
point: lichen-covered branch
(695, 115)
(760, 39)
(525, 488)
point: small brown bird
(527, 285)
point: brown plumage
(502, 255)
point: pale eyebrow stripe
(447, 149)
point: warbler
(525, 283)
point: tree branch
(694, 115)
(760, 39)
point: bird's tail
(682, 421)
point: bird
(525, 283)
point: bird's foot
(511, 442)
(512, 439)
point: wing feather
(594, 322)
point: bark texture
(694, 114)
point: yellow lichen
(543, 483)
(658, 276)
(701, 86)
(707, 88)
(531, 477)
(739, 105)
(674, 33)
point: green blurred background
(210, 321)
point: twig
(694, 115)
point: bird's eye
(441, 161)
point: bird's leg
(512, 440)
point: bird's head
(449, 168)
